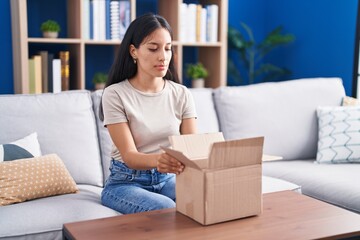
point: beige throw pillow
(31, 178)
(350, 101)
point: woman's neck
(147, 85)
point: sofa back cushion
(65, 125)
(283, 112)
(104, 136)
(207, 121)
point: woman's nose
(162, 56)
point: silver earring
(134, 60)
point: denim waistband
(124, 168)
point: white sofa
(285, 113)
(67, 124)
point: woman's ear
(132, 50)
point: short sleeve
(113, 107)
(189, 106)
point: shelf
(198, 44)
(55, 40)
(106, 42)
(83, 51)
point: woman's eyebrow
(156, 44)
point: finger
(166, 168)
(170, 160)
(170, 168)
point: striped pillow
(339, 134)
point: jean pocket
(118, 172)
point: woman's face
(154, 54)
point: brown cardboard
(221, 180)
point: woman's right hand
(168, 164)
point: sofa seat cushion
(270, 184)
(283, 112)
(44, 218)
(337, 184)
(65, 124)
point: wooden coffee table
(286, 215)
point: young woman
(142, 105)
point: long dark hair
(124, 67)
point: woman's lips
(160, 67)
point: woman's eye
(168, 49)
(152, 49)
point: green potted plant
(197, 72)
(252, 54)
(99, 80)
(50, 29)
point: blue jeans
(130, 191)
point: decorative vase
(50, 34)
(198, 83)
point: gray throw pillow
(26, 147)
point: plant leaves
(233, 70)
(271, 72)
(251, 53)
(274, 39)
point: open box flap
(236, 153)
(181, 157)
(195, 146)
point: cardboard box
(221, 180)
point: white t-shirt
(152, 117)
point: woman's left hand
(168, 164)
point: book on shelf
(47, 74)
(44, 71)
(203, 25)
(212, 22)
(50, 58)
(205, 18)
(56, 76)
(95, 18)
(191, 19)
(124, 8)
(38, 76)
(102, 20)
(31, 75)
(65, 70)
(86, 19)
(183, 22)
(107, 19)
(114, 20)
(91, 19)
(198, 22)
(201, 15)
(35, 78)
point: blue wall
(324, 31)
(6, 70)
